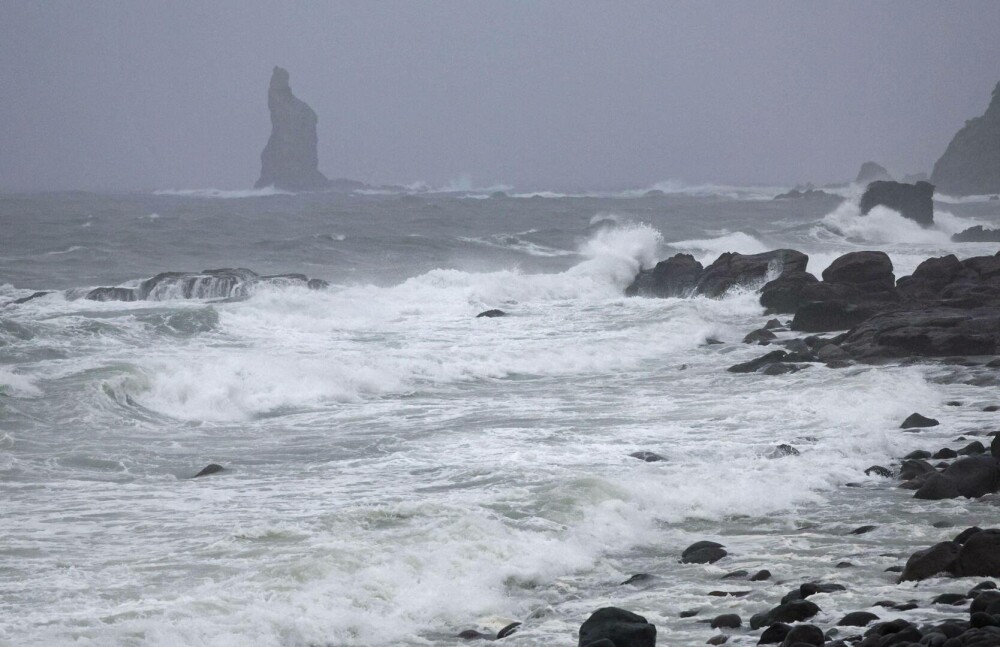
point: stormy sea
(396, 470)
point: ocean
(398, 470)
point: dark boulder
(774, 634)
(508, 630)
(758, 363)
(915, 420)
(878, 470)
(975, 476)
(209, 469)
(622, 628)
(971, 163)
(491, 314)
(804, 635)
(930, 277)
(793, 611)
(939, 558)
(870, 172)
(761, 576)
(742, 270)
(290, 160)
(873, 270)
(938, 487)
(826, 316)
(675, 277)
(913, 201)
(703, 552)
(783, 295)
(938, 329)
(857, 619)
(726, 621)
(760, 336)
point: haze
(130, 95)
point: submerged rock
(209, 469)
(971, 163)
(490, 314)
(932, 561)
(915, 420)
(225, 283)
(290, 160)
(703, 552)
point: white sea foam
(17, 385)
(225, 194)
(707, 250)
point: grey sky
(560, 94)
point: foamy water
(398, 470)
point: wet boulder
(975, 476)
(491, 314)
(784, 295)
(212, 468)
(804, 635)
(619, 627)
(930, 277)
(980, 555)
(938, 487)
(675, 277)
(857, 619)
(912, 201)
(748, 270)
(871, 270)
(703, 552)
(923, 564)
(916, 420)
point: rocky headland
(971, 163)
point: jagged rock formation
(871, 172)
(971, 163)
(289, 161)
(683, 276)
(913, 201)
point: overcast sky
(550, 94)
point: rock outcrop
(289, 161)
(682, 276)
(913, 201)
(225, 283)
(971, 163)
(977, 234)
(871, 172)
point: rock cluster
(913, 201)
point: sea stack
(289, 161)
(871, 172)
(971, 163)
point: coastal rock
(915, 420)
(647, 457)
(733, 270)
(975, 476)
(971, 163)
(775, 634)
(858, 619)
(801, 635)
(913, 201)
(726, 621)
(213, 468)
(792, 611)
(869, 270)
(225, 283)
(290, 160)
(760, 336)
(491, 314)
(675, 277)
(980, 555)
(620, 627)
(930, 277)
(783, 295)
(703, 552)
(935, 330)
(827, 316)
(977, 234)
(938, 487)
(939, 558)
(804, 194)
(870, 172)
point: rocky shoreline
(947, 310)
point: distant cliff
(971, 163)
(289, 161)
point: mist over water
(397, 469)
